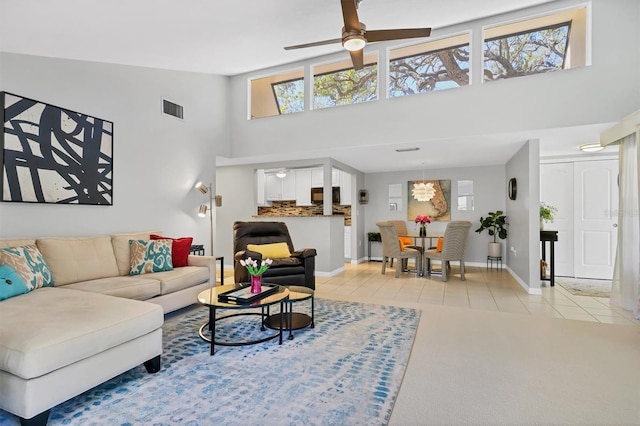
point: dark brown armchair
(298, 269)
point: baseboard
(329, 274)
(530, 290)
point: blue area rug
(345, 371)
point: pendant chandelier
(423, 191)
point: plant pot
(495, 249)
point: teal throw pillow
(149, 256)
(28, 262)
(11, 283)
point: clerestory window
(535, 46)
(289, 95)
(339, 84)
(430, 66)
(277, 94)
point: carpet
(585, 286)
(347, 371)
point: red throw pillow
(179, 249)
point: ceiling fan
(355, 35)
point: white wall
(489, 187)
(523, 217)
(156, 158)
(237, 185)
(573, 97)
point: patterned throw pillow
(149, 256)
(179, 250)
(11, 283)
(28, 262)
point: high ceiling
(211, 36)
(233, 37)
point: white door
(556, 189)
(596, 207)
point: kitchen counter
(283, 209)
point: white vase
(495, 249)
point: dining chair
(401, 229)
(391, 249)
(453, 247)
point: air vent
(172, 109)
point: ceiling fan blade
(350, 16)
(357, 57)
(315, 43)
(384, 35)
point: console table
(369, 251)
(551, 237)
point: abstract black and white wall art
(54, 155)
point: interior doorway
(585, 194)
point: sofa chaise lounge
(94, 323)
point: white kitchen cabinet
(260, 187)
(317, 178)
(281, 188)
(273, 187)
(347, 242)
(335, 177)
(303, 187)
(289, 186)
(345, 189)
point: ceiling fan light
(591, 147)
(354, 42)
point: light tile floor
(484, 289)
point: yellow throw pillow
(271, 251)
(440, 244)
(402, 245)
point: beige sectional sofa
(95, 323)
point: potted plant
(547, 213)
(374, 236)
(495, 224)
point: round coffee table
(293, 320)
(210, 298)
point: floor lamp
(202, 212)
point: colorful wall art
(54, 155)
(438, 203)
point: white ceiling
(211, 36)
(233, 37)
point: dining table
(422, 243)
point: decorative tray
(243, 295)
